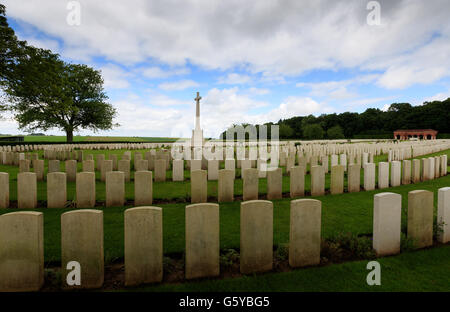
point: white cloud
(366, 102)
(422, 66)
(342, 93)
(230, 99)
(272, 78)
(403, 77)
(222, 108)
(135, 117)
(166, 101)
(441, 96)
(114, 77)
(296, 106)
(178, 85)
(157, 72)
(269, 37)
(167, 116)
(258, 91)
(385, 107)
(234, 78)
(336, 89)
(8, 125)
(48, 44)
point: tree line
(371, 124)
(46, 92)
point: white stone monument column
(197, 133)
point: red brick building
(422, 134)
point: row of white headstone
(405, 172)
(376, 147)
(22, 241)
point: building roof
(415, 130)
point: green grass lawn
(423, 270)
(79, 138)
(157, 140)
(130, 139)
(51, 138)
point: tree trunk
(69, 135)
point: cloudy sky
(251, 61)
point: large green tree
(10, 49)
(46, 92)
(285, 131)
(8, 42)
(335, 133)
(313, 131)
